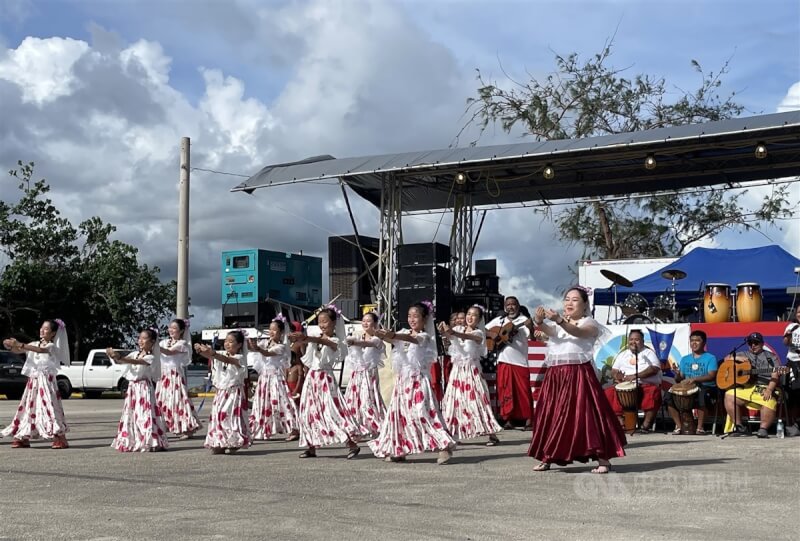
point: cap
(755, 337)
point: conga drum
(683, 396)
(748, 302)
(628, 399)
(717, 303)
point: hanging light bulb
(548, 172)
(461, 178)
(761, 151)
(650, 162)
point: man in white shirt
(514, 398)
(625, 366)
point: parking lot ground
(668, 487)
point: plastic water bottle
(779, 429)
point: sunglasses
(754, 342)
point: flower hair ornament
(335, 309)
(585, 289)
(154, 329)
(280, 317)
(479, 307)
(60, 323)
(429, 304)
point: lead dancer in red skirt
(573, 420)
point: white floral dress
(363, 395)
(466, 407)
(413, 421)
(273, 410)
(228, 423)
(172, 393)
(40, 413)
(324, 419)
(141, 427)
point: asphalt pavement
(668, 487)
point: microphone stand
(638, 398)
(735, 405)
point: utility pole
(182, 310)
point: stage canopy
(771, 267)
(712, 153)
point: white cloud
(42, 68)
(790, 102)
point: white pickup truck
(97, 374)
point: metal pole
(182, 309)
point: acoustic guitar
(500, 337)
(740, 373)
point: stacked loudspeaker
(423, 276)
(481, 288)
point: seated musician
(649, 367)
(791, 339)
(699, 367)
(758, 394)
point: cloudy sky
(98, 93)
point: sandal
(293, 437)
(308, 453)
(493, 440)
(20, 444)
(677, 432)
(602, 469)
(353, 452)
(542, 466)
(444, 456)
(395, 459)
(700, 432)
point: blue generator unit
(252, 278)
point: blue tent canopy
(771, 267)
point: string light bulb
(650, 162)
(761, 151)
(461, 178)
(548, 172)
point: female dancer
(295, 376)
(324, 420)
(573, 419)
(363, 395)
(141, 427)
(172, 395)
(413, 422)
(466, 407)
(228, 429)
(40, 414)
(273, 410)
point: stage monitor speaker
(441, 299)
(493, 303)
(486, 266)
(426, 253)
(424, 276)
(481, 283)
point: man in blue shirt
(699, 367)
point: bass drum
(637, 319)
(634, 304)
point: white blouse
(564, 348)
(319, 357)
(412, 358)
(271, 364)
(226, 376)
(366, 358)
(40, 363)
(467, 351)
(184, 358)
(134, 372)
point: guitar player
(514, 399)
(759, 393)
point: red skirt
(514, 398)
(573, 420)
(650, 398)
(437, 383)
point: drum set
(720, 302)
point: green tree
(53, 269)
(585, 99)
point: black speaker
(441, 299)
(486, 266)
(427, 253)
(481, 283)
(493, 302)
(424, 276)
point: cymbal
(616, 278)
(672, 274)
(696, 299)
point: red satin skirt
(438, 382)
(573, 420)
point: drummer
(699, 367)
(649, 367)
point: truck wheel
(14, 395)
(123, 386)
(64, 388)
(92, 394)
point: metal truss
(391, 236)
